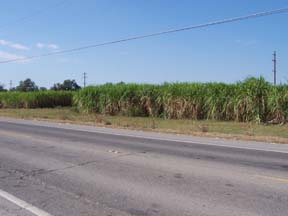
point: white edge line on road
(179, 141)
(70, 127)
(24, 205)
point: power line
(214, 23)
(33, 14)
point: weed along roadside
(207, 128)
(248, 110)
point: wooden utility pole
(275, 67)
(10, 85)
(84, 78)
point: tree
(67, 85)
(27, 86)
(2, 89)
(42, 89)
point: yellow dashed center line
(285, 180)
(14, 134)
(23, 136)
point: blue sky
(225, 53)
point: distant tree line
(2, 89)
(28, 85)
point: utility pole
(275, 67)
(10, 85)
(84, 78)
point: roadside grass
(220, 129)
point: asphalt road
(74, 171)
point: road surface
(78, 170)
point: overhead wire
(32, 15)
(214, 23)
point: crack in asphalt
(34, 173)
(37, 172)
